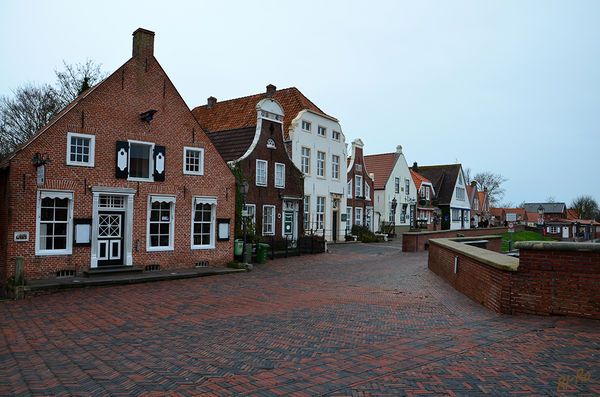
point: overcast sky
(511, 87)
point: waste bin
(261, 253)
(460, 235)
(238, 247)
(248, 254)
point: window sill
(53, 253)
(193, 173)
(203, 247)
(70, 163)
(159, 249)
(140, 179)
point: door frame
(127, 228)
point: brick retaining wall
(416, 241)
(550, 277)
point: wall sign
(223, 229)
(83, 231)
(21, 236)
(41, 175)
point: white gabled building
(395, 191)
(318, 148)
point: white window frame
(303, 157)
(306, 125)
(336, 135)
(407, 186)
(455, 215)
(271, 224)
(335, 167)
(161, 198)
(349, 214)
(350, 193)
(321, 163)
(306, 208)
(460, 193)
(281, 182)
(367, 191)
(212, 201)
(358, 217)
(396, 185)
(201, 165)
(253, 206)
(358, 185)
(266, 173)
(92, 139)
(427, 192)
(322, 131)
(68, 250)
(150, 162)
(320, 215)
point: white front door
(565, 233)
(110, 239)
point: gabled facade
(425, 197)
(450, 185)
(276, 186)
(316, 145)
(360, 190)
(395, 191)
(133, 181)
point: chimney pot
(473, 183)
(415, 167)
(143, 43)
(211, 101)
(399, 150)
(270, 90)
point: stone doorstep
(124, 278)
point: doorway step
(112, 271)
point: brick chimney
(270, 91)
(415, 167)
(211, 101)
(473, 183)
(143, 43)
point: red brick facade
(413, 242)
(110, 112)
(363, 197)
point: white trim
(201, 165)
(281, 185)
(161, 199)
(212, 201)
(266, 178)
(358, 218)
(324, 165)
(272, 232)
(69, 237)
(333, 164)
(150, 162)
(253, 214)
(302, 157)
(92, 139)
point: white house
(395, 191)
(318, 148)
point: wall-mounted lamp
(41, 159)
(148, 115)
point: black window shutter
(121, 170)
(159, 163)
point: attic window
(270, 143)
(305, 125)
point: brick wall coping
(491, 229)
(491, 258)
(558, 246)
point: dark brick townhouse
(123, 176)
(248, 132)
(359, 209)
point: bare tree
(467, 172)
(551, 199)
(493, 183)
(586, 207)
(20, 117)
(77, 78)
(32, 106)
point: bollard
(19, 277)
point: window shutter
(159, 163)
(121, 170)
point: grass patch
(525, 235)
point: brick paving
(362, 320)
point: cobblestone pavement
(362, 320)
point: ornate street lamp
(244, 187)
(541, 220)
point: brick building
(360, 191)
(123, 176)
(425, 196)
(256, 145)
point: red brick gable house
(123, 176)
(276, 185)
(359, 209)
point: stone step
(112, 271)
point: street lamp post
(541, 221)
(244, 186)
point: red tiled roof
(482, 197)
(470, 191)
(532, 216)
(241, 112)
(518, 211)
(572, 214)
(496, 211)
(418, 178)
(381, 166)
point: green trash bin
(460, 235)
(261, 253)
(238, 247)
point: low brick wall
(416, 241)
(549, 278)
(482, 275)
(557, 278)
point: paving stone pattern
(362, 320)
